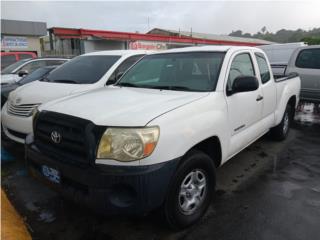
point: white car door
(244, 108)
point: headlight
(128, 144)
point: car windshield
(82, 69)
(192, 71)
(36, 75)
(13, 66)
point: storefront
(22, 36)
(67, 41)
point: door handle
(259, 98)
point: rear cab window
(308, 58)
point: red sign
(139, 45)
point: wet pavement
(271, 190)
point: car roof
(118, 53)
(50, 58)
(309, 47)
(211, 48)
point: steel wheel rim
(286, 123)
(193, 190)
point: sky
(217, 17)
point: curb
(12, 225)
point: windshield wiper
(64, 81)
(127, 85)
(178, 88)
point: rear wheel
(280, 132)
(190, 191)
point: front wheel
(190, 191)
(280, 132)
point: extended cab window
(83, 69)
(240, 66)
(309, 58)
(263, 68)
(196, 71)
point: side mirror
(114, 78)
(23, 73)
(244, 84)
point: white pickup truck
(155, 138)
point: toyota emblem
(56, 137)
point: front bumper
(16, 128)
(107, 189)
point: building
(209, 36)
(71, 41)
(22, 36)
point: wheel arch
(293, 103)
(212, 147)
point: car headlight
(128, 144)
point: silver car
(306, 62)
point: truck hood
(38, 92)
(122, 106)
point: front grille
(78, 141)
(23, 110)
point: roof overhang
(67, 33)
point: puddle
(308, 114)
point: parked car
(38, 74)
(83, 73)
(8, 58)
(16, 71)
(279, 55)
(155, 138)
(306, 62)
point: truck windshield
(192, 71)
(82, 69)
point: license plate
(51, 174)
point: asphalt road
(271, 190)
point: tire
(280, 132)
(197, 174)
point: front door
(244, 108)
